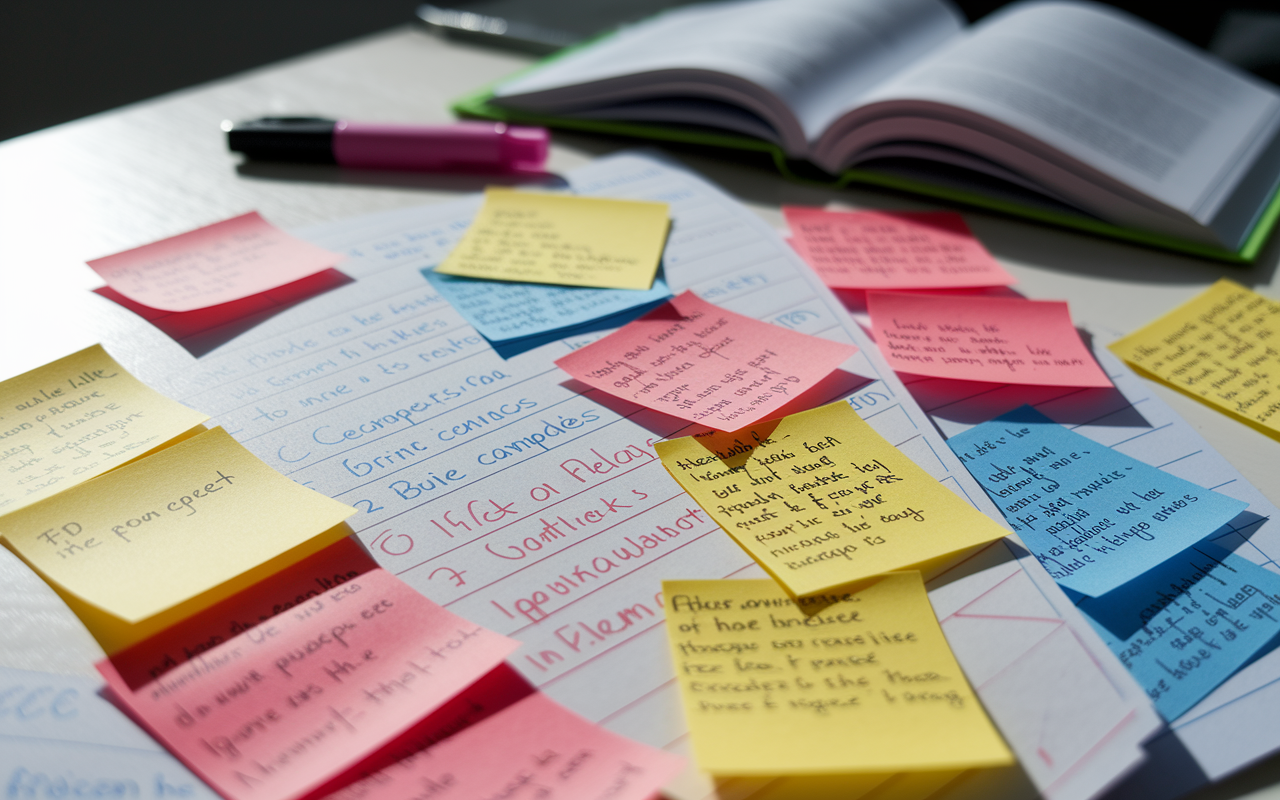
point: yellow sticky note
(562, 239)
(1222, 348)
(821, 500)
(75, 418)
(143, 547)
(860, 681)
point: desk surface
(127, 177)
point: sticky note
(820, 499)
(274, 713)
(571, 241)
(140, 548)
(996, 339)
(62, 739)
(219, 263)
(534, 747)
(694, 360)
(503, 312)
(892, 250)
(1186, 626)
(851, 682)
(1219, 347)
(75, 418)
(1095, 518)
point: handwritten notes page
(571, 241)
(503, 312)
(892, 250)
(442, 433)
(854, 682)
(1219, 347)
(1094, 517)
(706, 364)
(219, 263)
(276, 712)
(61, 739)
(170, 535)
(994, 339)
(821, 500)
(75, 418)
(1187, 625)
(533, 746)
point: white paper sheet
(520, 504)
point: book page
(1122, 99)
(805, 60)
(563, 543)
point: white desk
(158, 168)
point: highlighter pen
(461, 146)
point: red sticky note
(533, 748)
(899, 250)
(982, 339)
(274, 713)
(697, 361)
(219, 263)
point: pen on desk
(477, 146)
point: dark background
(64, 59)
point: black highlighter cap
(298, 139)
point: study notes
(75, 418)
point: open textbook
(538, 508)
(1067, 111)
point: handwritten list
(859, 681)
(694, 360)
(1094, 517)
(892, 250)
(276, 712)
(141, 548)
(996, 339)
(1219, 347)
(561, 239)
(821, 500)
(229, 260)
(76, 418)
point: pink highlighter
(459, 147)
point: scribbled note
(144, 547)
(1219, 347)
(532, 748)
(858, 681)
(1187, 625)
(898, 250)
(993, 339)
(571, 241)
(820, 499)
(503, 312)
(276, 712)
(693, 360)
(75, 418)
(219, 263)
(1095, 518)
(62, 740)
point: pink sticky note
(277, 711)
(693, 360)
(982, 339)
(533, 748)
(899, 250)
(225, 261)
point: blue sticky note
(503, 312)
(1094, 518)
(1187, 625)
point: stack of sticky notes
(536, 267)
